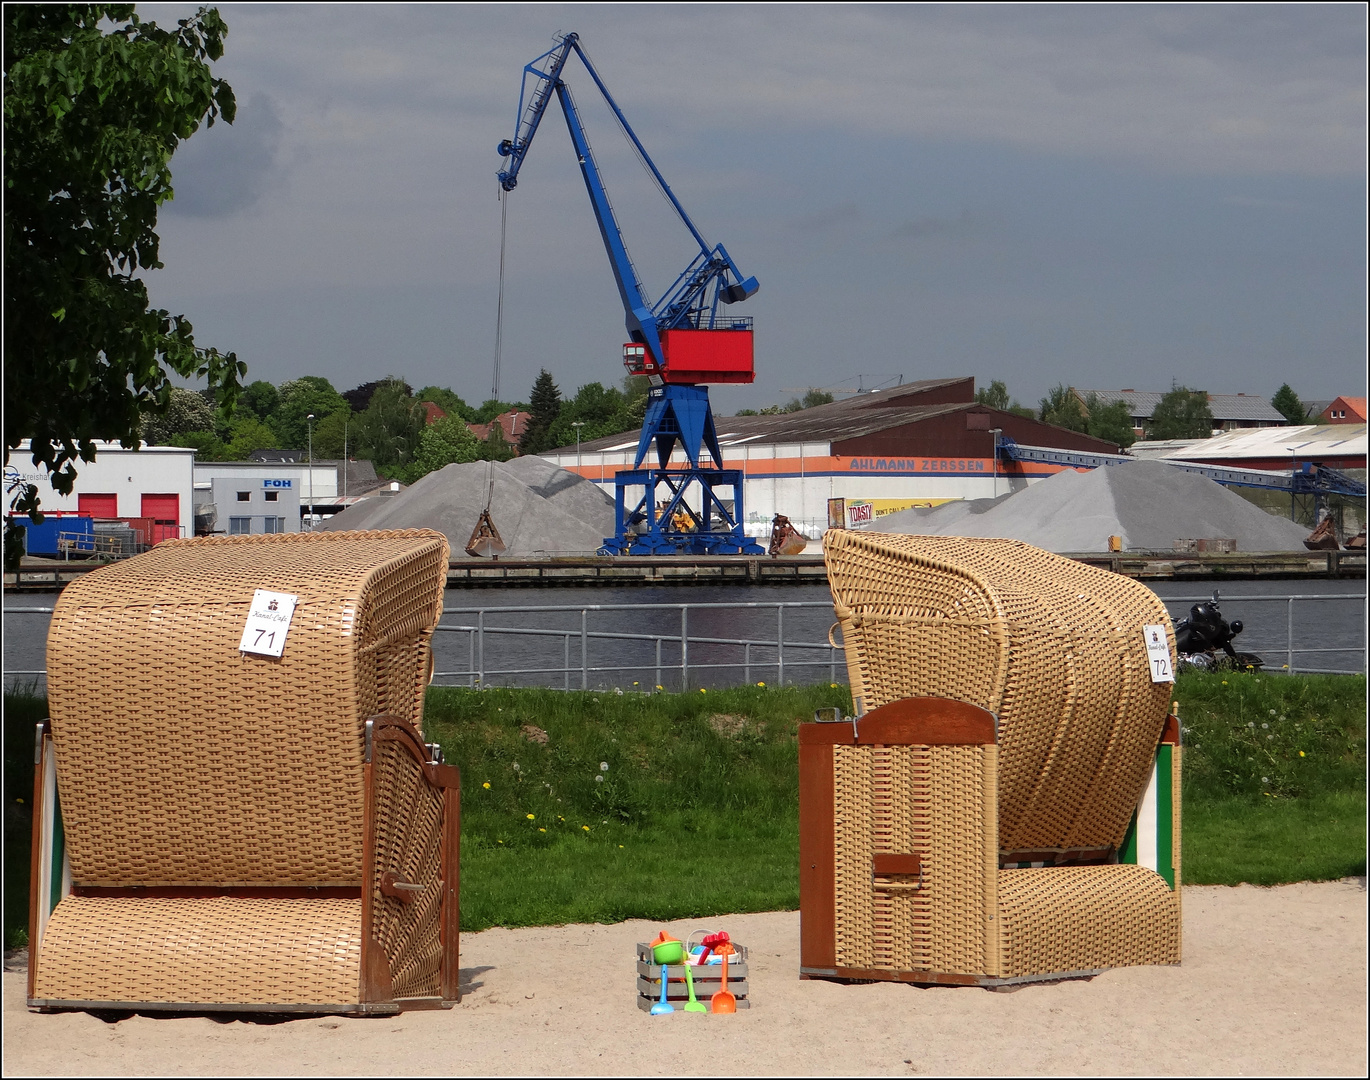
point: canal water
(631, 635)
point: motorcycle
(1204, 633)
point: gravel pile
(1148, 503)
(539, 508)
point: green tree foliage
(261, 399)
(388, 431)
(186, 411)
(449, 401)
(995, 395)
(92, 115)
(245, 435)
(335, 435)
(601, 410)
(490, 408)
(1182, 414)
(359, 397)
(300, 397)
(813, 397)
(494, 447)
(544, 407)
(1110, 421)
(1062, 407)
(1289, 406)
(442, 443)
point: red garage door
(99, 506)
(165, 510)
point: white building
(154, 482)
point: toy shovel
(694, 1005)
(663, 1006)
(723, 1001)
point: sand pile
(539, 508)
(1148, 503)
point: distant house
(1230, 411)
(1344, 410)
(512, 424)
(432, 413)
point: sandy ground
(1273, 982)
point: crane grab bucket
(485, 539)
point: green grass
(696, 813)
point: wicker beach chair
(217, 829)
(1005, 806)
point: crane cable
(499, 338)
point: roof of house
(1223, 406)
(1355, 405)
(513, 424)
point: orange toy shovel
(723, 1001)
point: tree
(388, 432)
(1062, 407)
(442, 443)
(1182, 414)
(447, 400)
(1287, 403)
(1110, 421)
(359, 397)
(245, 435)
(300, 397)
(544, 405)
(494, 447)
(261, 399)
(92, 117)
(335, 435)
(995, 395)
(186, 411)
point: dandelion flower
(1224, 682)
(762, 685)
(603, 766)
(1269, 737)
(620, 847)
(542, 830)
(659, 686)
(702, 690)
(560, 818)
(599, 779)
(1302, 754)
(1265, 779)
(1264, 726)
(1272, 712)
(530, 817)
(516, 766)
(486, 785)
(586, 828)
(1251, 724)
(832, 686)
(499, 841)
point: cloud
(225, 170)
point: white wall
(316, 483)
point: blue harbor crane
(680, 342)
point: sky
(1108, 197)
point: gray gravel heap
(1148, 503)
(539, 508)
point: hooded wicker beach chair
(1005, 806)
(217, 829)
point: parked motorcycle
(1201, 636)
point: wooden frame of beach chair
(1005, 805)
(219, 830)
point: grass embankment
(673, 805)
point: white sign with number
(1158, 654)
(268, 622)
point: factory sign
(955, 466)
(277, 483)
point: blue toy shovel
(662, 1007)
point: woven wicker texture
(1076, 918)
(1052, 647)
(212, 951)
(928, 800)
(409, 824)
(184, 762)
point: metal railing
(669, 652)
(678, 658)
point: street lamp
(309, 420)
(345, 419)
(577, 424)
(996, 432)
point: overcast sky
(1109, 197)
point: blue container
(43, 539)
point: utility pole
(577, 424)
(1293, 469)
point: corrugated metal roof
(1223, 406)
(1307, 441)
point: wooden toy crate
(708, 980)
